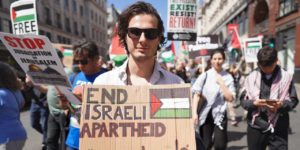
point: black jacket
(265, 87)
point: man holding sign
(141, 33)
(131, 120)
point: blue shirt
(74, 132)
(11, 127)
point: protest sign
(182, 20)
(203, 46)
(37, 58)
(137, 117)
(251, 48)
(24, 17)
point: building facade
(217, 14)
(67, 21)
(112, 19)
(279, 20)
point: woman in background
(213, 88)
(12, 133)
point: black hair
(88, 49)
(8, 77)
(216, 51)
(266, 56)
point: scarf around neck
(279, 91)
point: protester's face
(87, 65)
(217, 61)
(142, 37)
(268, 69)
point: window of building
(1, 5)
(93, 33)
(59, 39)
(96, 17)
(0, 23)
(242, 21)
(68, 41)
(75, 28)
(100, 19)
(57, 2)
(286, 7)
(58, 20)
(41, 32)
(92, 15)
(82, 31)
(10, 26)
(48, 34)
(67, 24)
(261, 12)
(67, 4)
(48, 16)
(81, 11)
(74, 6)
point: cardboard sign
(251, 48)
(23, 17)
(182, 20)
(203, 46)
(37, 58)
(137, 117)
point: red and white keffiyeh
(279, 90)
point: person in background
(12, 131)
(39, 110)
(268, 96)
(181, 72)
(213, 88)
(87, 58)
(191, 69)
(58, 120)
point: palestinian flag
(168, 54)
(23, 13)
(233, 40)
(170, 103)
(253, 44)
(184, 49)
(117, 52)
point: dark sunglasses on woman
(150, 33)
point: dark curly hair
(8, 77)
(133, 10)
(267, 56)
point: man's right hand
(260, 102)
(263, 103)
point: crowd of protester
(218, 85)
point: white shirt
(212, 92)
(118, 76)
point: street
(236, 135)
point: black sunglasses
(135, 33)
(83, 61)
